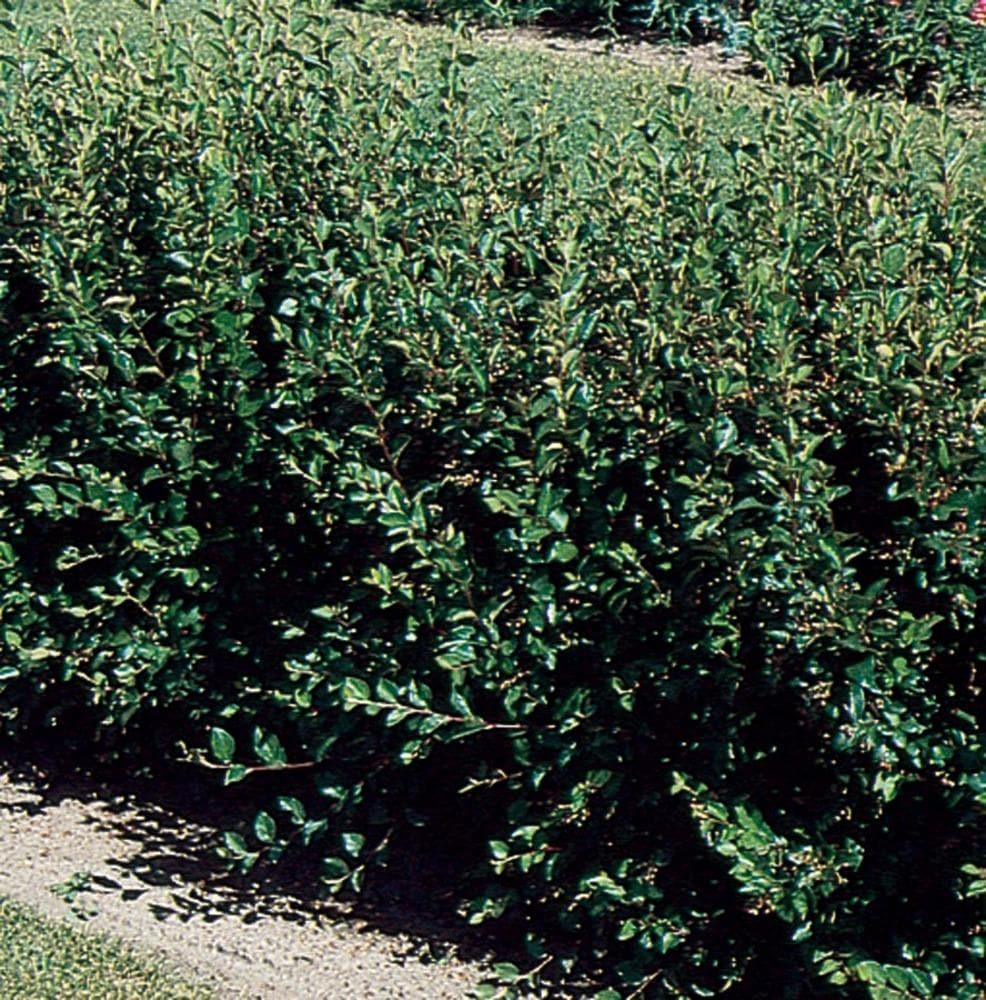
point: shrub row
(427, 434)
(916, 47)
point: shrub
(695, 20)
(454, 443)
(910, 45)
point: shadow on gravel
(175, 826)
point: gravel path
(139, 871)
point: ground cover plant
(583, 470)
(42, 958)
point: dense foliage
(596, 482)
(913, 46)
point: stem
(639, 991)
(546, 961)
(197, 758)
(408, 710)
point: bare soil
(641, 50)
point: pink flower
(978, 12)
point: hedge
(437, 439)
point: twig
(639, 991)
(257, 768)
(408, 710)
(546, 961)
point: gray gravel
(135, 864)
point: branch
(462, 719)
(197, 757)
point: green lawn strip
(41, 959)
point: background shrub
(910, 45)
(463, 447)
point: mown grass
(43, 960)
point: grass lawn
(42, 959)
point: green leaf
(268, 748)
(47, 496)
(898, 977)
(725, 433)
(313, 828)
(922, 982)
(223, 745)
(352, 843)
(387, 690)
(180, 260)
(871, 972)
(234, 774)
(458, 702)
(235, 843)
(397, 715)
(355, 690)
(292, 806)
(506, 972)
(247, 406)
(264, 827)
(628, 929)
(334, 869)
(802, 932)
(499, 849)
(562, 551)
(892, 260)
(558, 519)
(183, 453)
(831, 552)
(410, 751)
